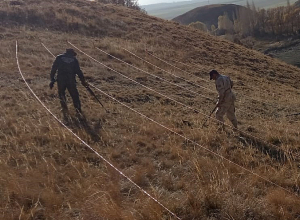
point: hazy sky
(148, 2)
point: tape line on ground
(202, 78)
(238, 109)
(180, 103)
(195, 143)
(155, 76)
(187, 139)
(179, 77)
(87, 145)
(196, 93)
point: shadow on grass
(267, 149)
(79, 121)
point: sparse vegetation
(199, 25)
(133, 4)
(273, 31)
(256, 22)
(271, 22)
(47, 174)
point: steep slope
(46, 173)
(209, 14)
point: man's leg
(231, 115)
(62, 95)
(220, 116)
(75, 96)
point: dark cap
(211, 73)
(71, 52)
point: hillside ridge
(135, 27)
(209, 14)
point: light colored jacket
(224, 86)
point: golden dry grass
(46, 173)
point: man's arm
(53, 70)
(52, 73)
(221, 90)
(80, 74)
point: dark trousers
(70, 84)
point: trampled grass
(46, 173)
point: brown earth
(46, 173)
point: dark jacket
(67, 66)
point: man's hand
(84, 83)
(51, 84)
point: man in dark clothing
(67, 68)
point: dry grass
(47, 174)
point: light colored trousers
(227, 108)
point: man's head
(213, 74)
(71, 52)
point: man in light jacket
(226, 98)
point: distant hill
(209, 14)
(172, 10)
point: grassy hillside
(46, 173)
